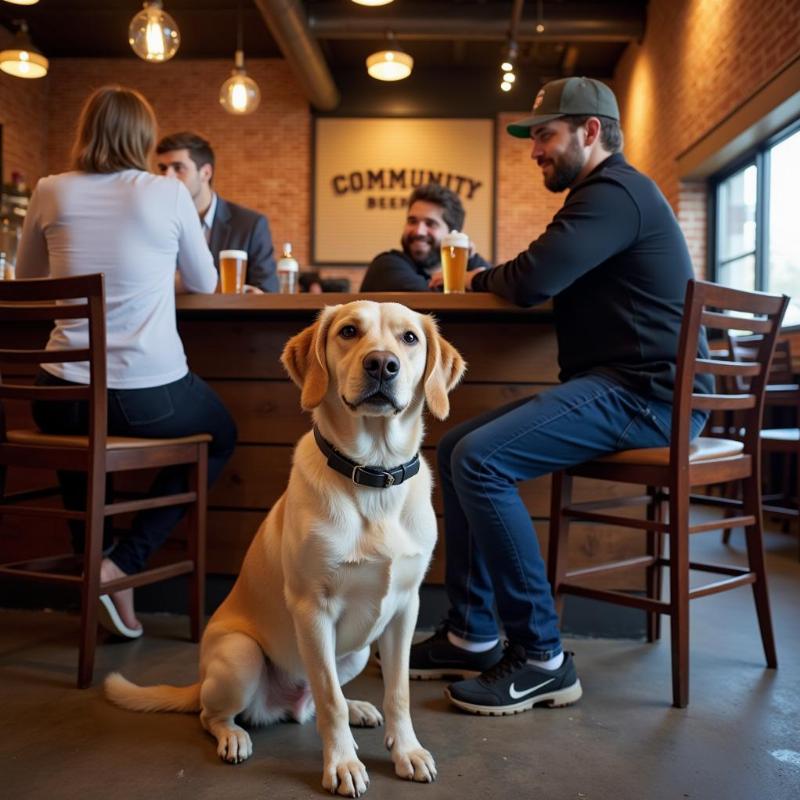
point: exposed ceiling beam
(418, 22)
(286, 20)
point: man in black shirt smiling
(433, 211)
(615, 263)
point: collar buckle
(353, 475)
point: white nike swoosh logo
(517, 695)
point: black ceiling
(438, 33)
(456, 44)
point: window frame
(760, 156)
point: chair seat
(704, 448)
(34, 437)
(781, 434)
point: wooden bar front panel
(510, 354)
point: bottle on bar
(288, 269)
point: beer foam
(455, 239)
(240, 254)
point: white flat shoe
(110, 619)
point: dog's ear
(304, 359)
(443, 369)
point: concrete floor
(738, 740)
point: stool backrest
(740, 385)
(745, 348)
(28, 302)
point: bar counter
(235, 341)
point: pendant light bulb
(153, 34)
(239, 94)
(373, 2)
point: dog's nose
(381, 365)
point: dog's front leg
(342, 771)
(411, 759)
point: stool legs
(754, 538)
(654, 573)
(679, 595)
(558, 546)
(196, 540)
(90, 587)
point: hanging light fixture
(23, 2)
(392, 64)
(507, 67)
(23, 60)
(360, 2)
(240, 93)
(153, 34)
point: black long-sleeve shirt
(394, 271)
(616, 264)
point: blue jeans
(493, 555)
(182, 408)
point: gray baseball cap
(580, 96)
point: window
(757, 233)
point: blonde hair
(116, 131)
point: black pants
(183, 408)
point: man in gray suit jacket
(227, 226)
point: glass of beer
(455, 253)
(232, 271)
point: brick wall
(524, 206)
(699, 61)
(692, 217)
(262, 159)
(23, 115)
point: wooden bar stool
(670, 472)
(782, 397)
(97, 454)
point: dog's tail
(122, 692)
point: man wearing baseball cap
(615, 264)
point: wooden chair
(97, 454)
(782, 404)
(669, 473)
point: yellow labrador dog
(339, 559)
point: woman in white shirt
(111, 215)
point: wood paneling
(495, 353)
(268, 412)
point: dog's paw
(364, 714)
(414, 764)
(235, 745)
(345, 776)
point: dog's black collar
(376, 477)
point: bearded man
(433, 211)
(615, 264)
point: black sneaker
(435, 658)
(513, 685)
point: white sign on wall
(365, 169)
